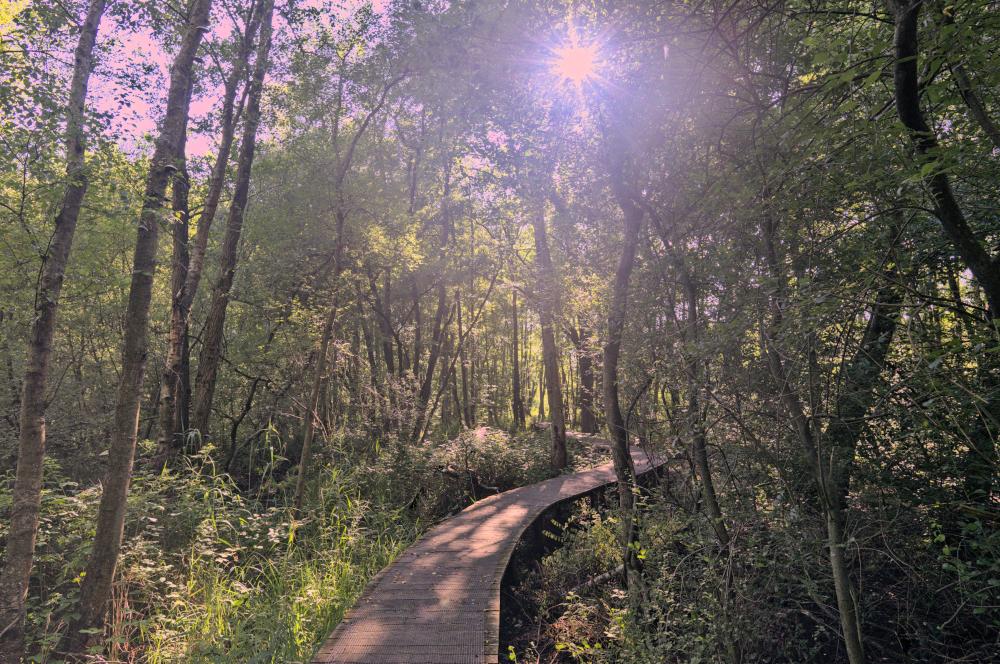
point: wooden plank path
(439, 602)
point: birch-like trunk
(26, 497)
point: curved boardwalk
(439, 602)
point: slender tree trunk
(861, 377)
(383, 313)
(438, 332)
(426, 386)
(588, 417)
(340, 176)
(172, 383)
(517, 402)
(96, 586)
(695, 420)
(211, 353)
(832, 469)
(418, 341)
(175, 390)
(541, 393)
(26, 497)
(467, 415)
(624, 467)
(907, 92)
(547, 307)
(620, 454)
(314, 395)
(966, 89)
(585, 390)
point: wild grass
(213, 572)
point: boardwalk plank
(439, 601)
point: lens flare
(576, 62)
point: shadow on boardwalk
(439, 602)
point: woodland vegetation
(284, 282)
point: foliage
(406, 149)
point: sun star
(576, 62)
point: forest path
(439, 602)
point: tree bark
(517, 400)
(547, 306)
(211, 353)
(585, 371)
(27, 492)
(467, 411)
(172, 413)
(624, 467)
(175, 389)
(620, 454)
(96, 586)
(907, 94)
(695, 420)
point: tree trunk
(170, 418)
(26, 497)
(861, 377)
(968, 93)
(624, 467)
(831, 480)
(467, 414)
(585, 371)
(426, 386)
(314, 395)
(211, 353)
(547, 307)
(695, 420)
(96, 586)
(541, 393)
(383, 313)
(418, 342)
(175, 389)
(437, 334)
(907, 92)
(517, 402)
(620, 454)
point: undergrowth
(214, 572)
(765, 600)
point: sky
(139, 56)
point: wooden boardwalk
(439, 602)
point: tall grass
(212, 572)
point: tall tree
(620, 437)
(95, 589)
(547, 307)
(27, 492)
(189, 258)
(984, 266)
(211, 351)
(341, 168)
(517, 398)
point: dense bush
(764, 599)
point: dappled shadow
(439, 602)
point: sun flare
(576, 62)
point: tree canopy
(284, 282)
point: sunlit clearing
(576, 63)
